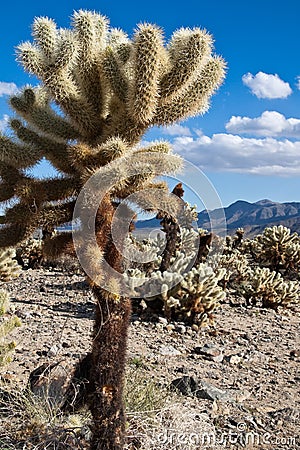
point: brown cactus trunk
(107, 372)
(109, 347)
(172, 232)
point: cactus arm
(143, 92)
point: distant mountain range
(253, 217)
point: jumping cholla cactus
(270, 289)
(9, 267)
(108, 90)
(245, 271)
(7, 325)
(29, 253)
(184, 292)
(237, 268)
(197, 295)
(277, 248)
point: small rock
(170, 327)
(294, 353)
(209, 392)
(211, 352)
(42, 353)
(180, 328)
(233, 359)
(163, 320)
(169, 351)
(66, 345)
(247, 336)
(187, 385)
(240, 395)
(53, 351)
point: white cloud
(231, 153)
(298, 82)
(176, 130)
(3, 123)
(270, 123)
(265, 85)
(7, 88)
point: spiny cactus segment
(7, 325)
(9, 267)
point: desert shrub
(35, 421)
(31, 421)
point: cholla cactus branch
(7, 325)
(189, 51)
(20, 156)
(55, 152)
(32, 105)
(194, 99)
(9, 268)
(91, 31)
(147, 62)
(115, 76)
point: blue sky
(248, 143)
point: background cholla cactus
(244, 261)
(197, 295)
(109, 90)
(9, 267)
(269, 288)
(29, 253)
(237, 267)
(277, 248)
(235, 241)
(7, 325)
(183, 292)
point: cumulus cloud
(270, 123)
(265, 85)
(232, 153)
(176, 130)
(7, 88)
(3, 123)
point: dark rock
(210, 352)
(187, 385)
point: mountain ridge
(253, 217)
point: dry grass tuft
(157, 419)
